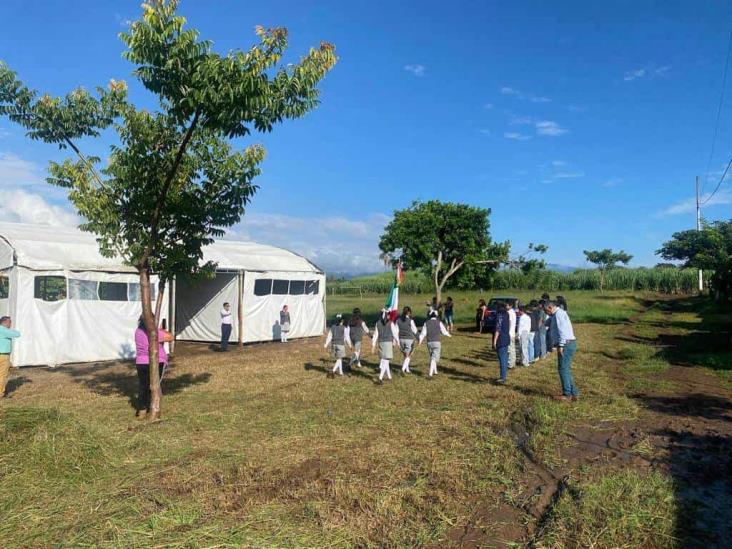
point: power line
(719, 112)
(719, 184)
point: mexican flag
(392, 300)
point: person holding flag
(392, 300)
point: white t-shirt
(225, 316)
(512, 323)
(524, 323)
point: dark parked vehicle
(489, 319)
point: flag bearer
(407, 335)
(387, 336)
(338, 338)
(433, 330)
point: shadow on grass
(16, 383)
(462, 376)
(110, 380)
(326, 368)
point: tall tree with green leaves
(173, 180)
(439, 238)
(605, 260)
(707, 249)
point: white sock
(382, 369)
(405, 365)
(388, 370)
(338, 366)
(433, 367)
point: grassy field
(259, 449)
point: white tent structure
(73, 305)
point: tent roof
(42, 247)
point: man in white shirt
(225, 326)
(526, 338)
(564, 339)
(512, 334)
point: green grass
(259, 449)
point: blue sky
(580, 124)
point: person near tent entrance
(357, 328)
(433, 330)
(142, 363)
(338, 338)
(407, 334)
(7, 334)
(284, 324)
(387, 336)
(225, 326)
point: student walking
(357, 328)
(407, 334)
(512, 331)
(387, 336)
(449, 314)
(225, 327)
(142, 364)
(338, 338)
(566, 348)
(501, 340)
(525, 337)
(284, 323)
(7, 334)
(433, 330)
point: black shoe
(500, 381)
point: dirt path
(684, 429)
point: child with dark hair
(387, 336)
(407, 334)
(357, 328)
(433, 330)
(338, 338)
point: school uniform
(433, 330)
(385, 335)
(407, 334)
(338, 337)
(284, 325)
(356, 334)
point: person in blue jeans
(502, 339)
(566, 343)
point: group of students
(538, 328)
(388, 333)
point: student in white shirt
(338, 338)
(387, 336)
(433, 330)
(512, 334)
(225, 326)
(525, 337)
(357, 329)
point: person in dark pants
(479, 314)
(563, 337)
(142, 363)
(501, 340)
(225, 326)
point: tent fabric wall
(199, 304)
(72, 330)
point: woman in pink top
(142, 361)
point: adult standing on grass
(512, 331)
(356, 330)
(501, 340)
(548, 331)
(284, 324)
(538, 316)
(387, 336)
(142, 362)
(479, 315)
(338, 338)
(225, 326)
(407, 335)
(525, 337)
(433, 330)
(449, 314)
(566, 347)
(7, 334)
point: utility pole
(698, 228)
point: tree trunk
(151, 325)
(602, 279)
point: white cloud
(488, 106)
(614, 182)
(646, 72)
(336, 244)
(661, 71)
(484, 131)
(549, 128)
(558, 163)
(689, 205)
(416, 69)
(20, 206)
(506, 90)
(519, 120)
(569, 174)
(4, 132)
(14, 171)
(633, 75)
(516, 135)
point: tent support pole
(171, 313)
(240, 307)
